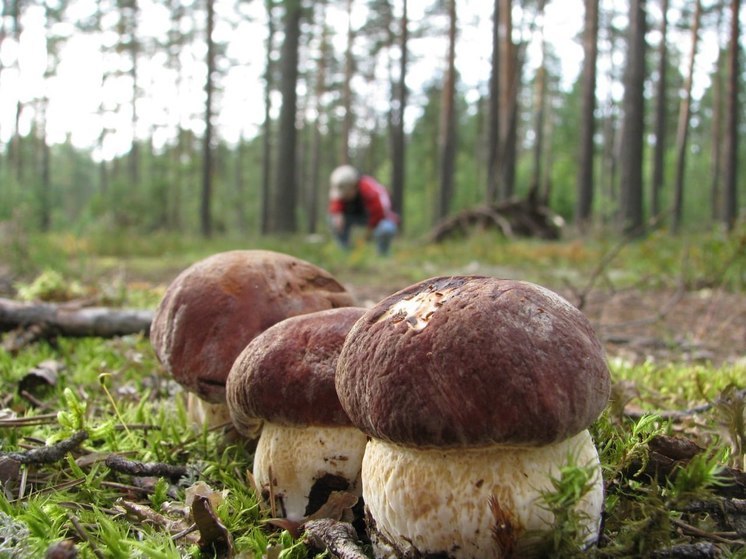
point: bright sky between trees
(77, 94)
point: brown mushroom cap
(216, 306)
(472, 361)
(286, 374)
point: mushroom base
(298, 459)
(206, 414)
(470, 503)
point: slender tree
(631, 147)
(267, 124)
(732, 120)
(540, 94)
(659, 148)
(682, 130)
(398, 109)
(493, 128)
(584, 195)
(447, 129)
(207, 150)
(316, 141)
(509, 84)
(283, 218)
(349, 69)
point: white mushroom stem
(433, 501)
(206, 414)
(299, 456)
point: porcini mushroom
(285, 378)
(474, 391)
(212, 309)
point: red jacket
(372, 200)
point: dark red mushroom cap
(286, 374)
(216, 306)
(472, 361)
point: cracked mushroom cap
(471, 361)
(286, 374)
(216, 306)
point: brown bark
(493, 139)
(660, 115)
(283, 218)
(509, 82)
(682, 131)
(344, 148)
(584, 200)
(398, 144)
(633, 124)
(320, 89)
(267, 124)
(730, 182)
(206, 198)
(70, 320)
(447, 130)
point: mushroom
(475, 391)
(285, 378)
(215, 307)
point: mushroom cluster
(475, 392)
(211, 310)
(284, 378)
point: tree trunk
(716, 138)
(344, 148)
(509, 83)
(584, 196)
(682, 130)
(284, 199)
(631, 148)
(398, 108)
(656, 185)
(206, 199)
(730, 182)
(133, 48)
(320, 89)
(267, 125)
(447, 130)
(493, 138)
(540, 92)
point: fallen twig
(144, 469)
(338, 537)
(47, 454)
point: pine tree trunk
(509, 83)
(320, 89)
(447, 130)
(398, 108)
(656, 185)
(206, 198)
(682, 130)
(267, 125)
(493, 137)
(730, 182)
(584, 196)
(631, 147)
(283, 219)
(344, 148)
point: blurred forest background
(225, 117)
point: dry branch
(513, 218)
(339, 538)
(71, 320)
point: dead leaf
(213, 534)
(41, 377)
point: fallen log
(73, 320)
(512, 218)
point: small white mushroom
(475, 392)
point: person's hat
(343, 181)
